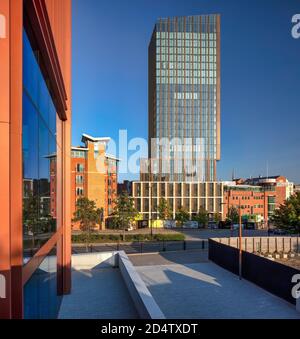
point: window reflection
(39, 155)
(40, 293)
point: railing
(143, 247)
(270, 275)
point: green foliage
(217, 218)
(164, 210)
(182, 215)
(113, 238)
(35, 220)
(233, 215)
(202, 217)
(124, 212)
(88, 216)
(287, 216)
(31, 213)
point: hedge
(102, 238)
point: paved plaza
(98, 294)
(203, 290)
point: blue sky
(260, 77)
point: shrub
(102, 238)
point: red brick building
(94, 174)
(257, 197)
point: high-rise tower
(184, 98)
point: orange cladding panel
(60, 16)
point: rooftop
(203, 290)
(99, 293)
(86, 137)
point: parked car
(213, 226)
(190, 224)
(170, 224)
(279, 231)
(250, 226)
(224, 225)
(237, 226)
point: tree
(164, 210)
(88, 216)
(202, 217)
(182, 215)
(31, 216)
(124, 211)
(287, 216)
(36, 219)
(233, 215)
(217, 218)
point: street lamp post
(150, 207)
(240, 240)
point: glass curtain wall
(186, 96)
(40, 152)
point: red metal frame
(11, 231)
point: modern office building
(282, 186)
(184, 118)
(125, 187)
(35, 123)
(258, 198)
(184, 100)
(188, 196)
(94, 174)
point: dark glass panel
(40, 293)
(39, 156)
(30, 70)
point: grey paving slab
(98, 294)
(204, 234)
(206, 291)
(169, 258)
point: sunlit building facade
(184, 100)
(35, 109)
(94, 175)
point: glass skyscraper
(184, 99)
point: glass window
(39, 156)
(40, 293)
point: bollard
(164, 246)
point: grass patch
(111, 238)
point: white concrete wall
(89, 261)
(144, 302)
